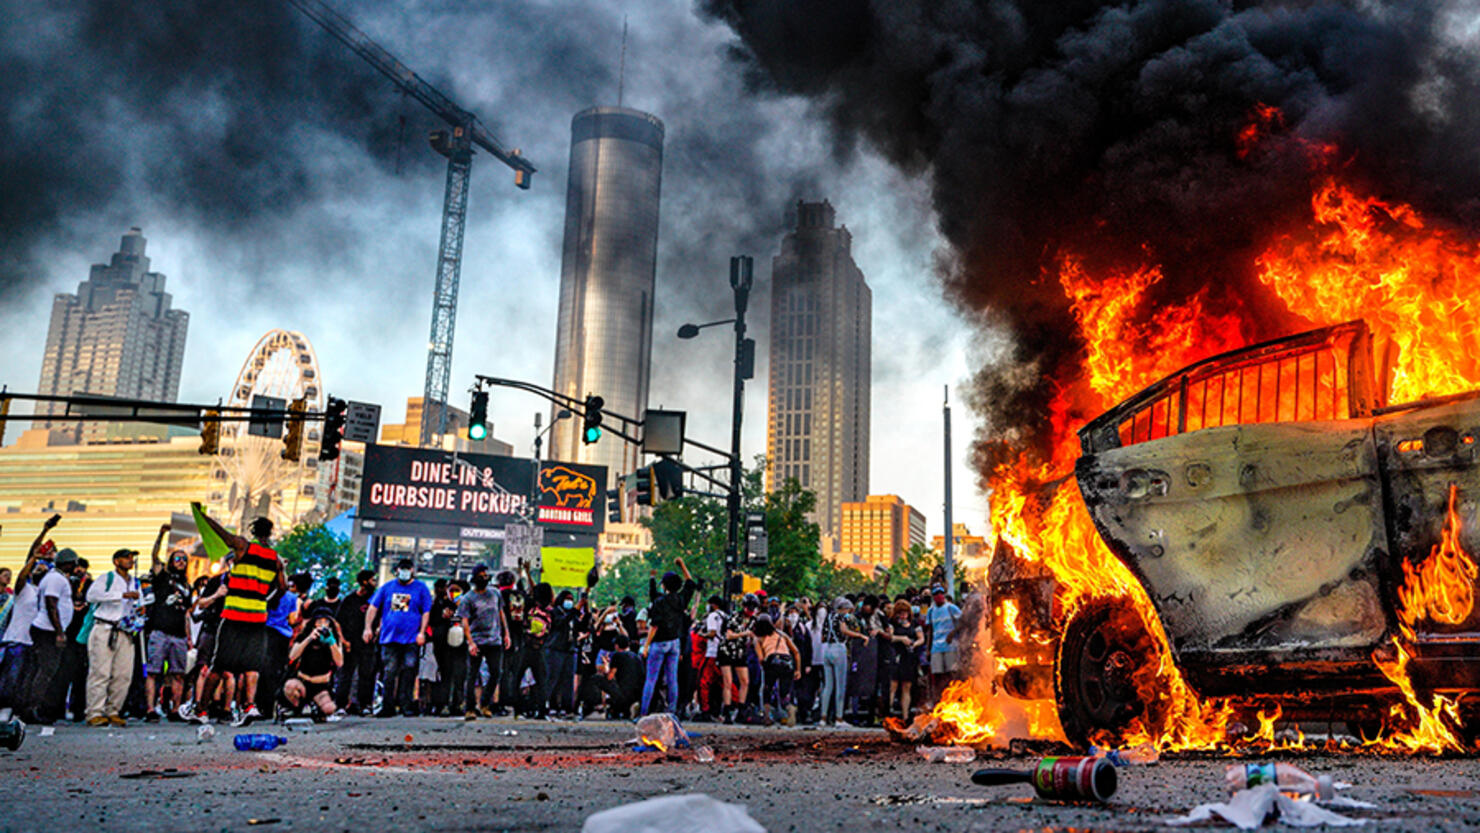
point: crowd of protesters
(249, 642)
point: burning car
(1288, 526)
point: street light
(741, 278)
(563, 413)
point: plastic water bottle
(258, 743)
(1288, 777)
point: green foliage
(795, 557)
(627, 577)
(913, 569)
(313, 549)
(694, 529)
(834, 580)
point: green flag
(214, 546)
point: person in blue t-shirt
(404, 607)
(942, 617)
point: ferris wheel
(257, 480)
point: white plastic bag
(692, 813)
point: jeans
(493, 654)
(398, 674)
(834, 678)
(662, 659)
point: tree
(313, 549)
(834, 580)
(627, 577)
(795, 556)
(694, 529)
(912, 570)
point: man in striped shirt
(256, 579)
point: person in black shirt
(666, 618)
(356, 688)
(314, 656)
(444, 610)
(560, 650)
(168, 637)
(628, 617)
(621, 677)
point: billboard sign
(427, 487)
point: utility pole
(950, 536)
(741, 277)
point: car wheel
(1104, 648)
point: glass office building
(604, 336)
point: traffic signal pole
(740, 281)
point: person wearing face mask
(166, 634)
(480, 614)
(357, 677)
(403, 606)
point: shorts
(167, 654)
(944, 662)
(240, 647)
(312, 690)
(205, 649)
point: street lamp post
(741, 278)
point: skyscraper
(116, 337)
(821, 325)
(604, 336)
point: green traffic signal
(477, 431)
(593, 433)
(478, 418)
(591, 419)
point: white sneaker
(237, 718)
(186, 711)
(334, 718)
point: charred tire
(1104, 648)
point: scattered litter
(923, 727)
(48, 731)
(691, 813)
(947, 754)
(850, 751)
(1287, 777)
(205, 733)
(704, 755)
(1249, 808)
(158, 773)
(263, 821)
(300, 724)
(1145, 754)
(407, 740)
(509, 732)
(258, 743)
(1066, 779)
(661, 732)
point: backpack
(87, 620)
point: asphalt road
(400, 775)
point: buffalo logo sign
(566, 496)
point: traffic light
(210, 433)
(333, 429)
(667, 480)
(644, 486)
(591, 428)
(293, 438)
(478, 419)
(614, 506)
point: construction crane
(456, 143)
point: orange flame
(1442, 588)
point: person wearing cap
(167, 635)
(942, 618)
(480, 614)
(110, 646)
(49, 619)
(314, 656)
(404, 608)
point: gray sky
(310, 227)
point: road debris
(947, 754)
(1249, 808)
(1067, 779)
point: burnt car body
(1267, 499)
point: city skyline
(348, 259)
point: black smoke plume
(1110, 130)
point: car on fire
(1273, 505)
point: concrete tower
(821, 327)
(116, 337)
(604, 337)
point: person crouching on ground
(314, 656)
